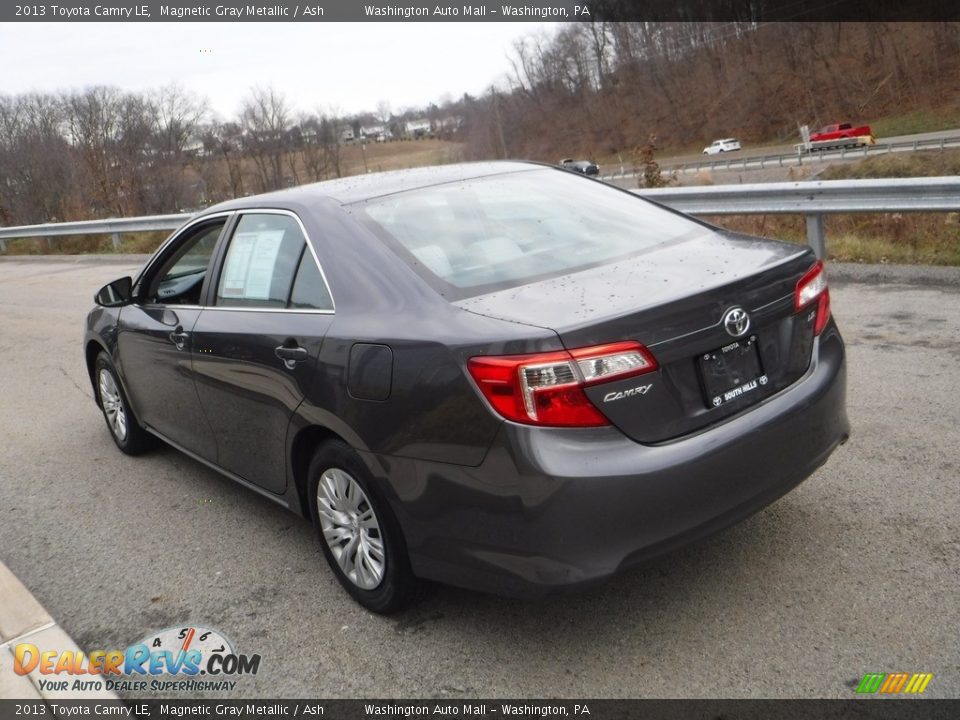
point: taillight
(811, 288)
(547, 388)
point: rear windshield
(491, 233)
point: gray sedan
(497, 375)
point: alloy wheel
(112, 404)
(350, 528)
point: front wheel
(123, 424)
(359, 535)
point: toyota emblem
(736, 321)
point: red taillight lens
(811, 288)
(547, 388)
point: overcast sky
(347, 67)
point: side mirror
(115, 294)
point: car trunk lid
(673, 298)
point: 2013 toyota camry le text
(502, 376)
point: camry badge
(736, 321)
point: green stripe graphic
(871, 682)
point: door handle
(179, 338)
(291, 354)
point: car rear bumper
(554, 508)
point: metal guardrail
(812, 199)
(112, 226)
(732, 161)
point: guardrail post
(3, 245)
(815, 237)
(115, 238)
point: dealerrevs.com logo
(189, 659)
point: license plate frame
(732, 372)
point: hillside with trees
(588, 89)
(597, 89)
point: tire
(358, 533)
(124, 427)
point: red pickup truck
(838, 131)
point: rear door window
(267, 263)
(309, 287)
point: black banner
(759, 11)
(873, 709)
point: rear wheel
(358, 534)
(123, 424)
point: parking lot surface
(855, 571)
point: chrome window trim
(306, 238)
(308, 311)
(154, 306)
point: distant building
(377, 133)
(417, 128)
(448, 124)
(195, 147)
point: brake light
(811, 288)
(547, 388)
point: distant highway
(754, 158)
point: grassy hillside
(603, 91)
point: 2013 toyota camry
(502, 376)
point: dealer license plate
(731, 372)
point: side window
(309, 288)
(261, 262)
(179, 280)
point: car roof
(358, 188)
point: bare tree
(383, 112)
(178, 118)
(224, 141)
(265, 119)
(179, 115)
(36, 168)
(93, 122)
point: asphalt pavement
(855, 571)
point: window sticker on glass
(248, 273)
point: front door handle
(291, 354)
(179, 338)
